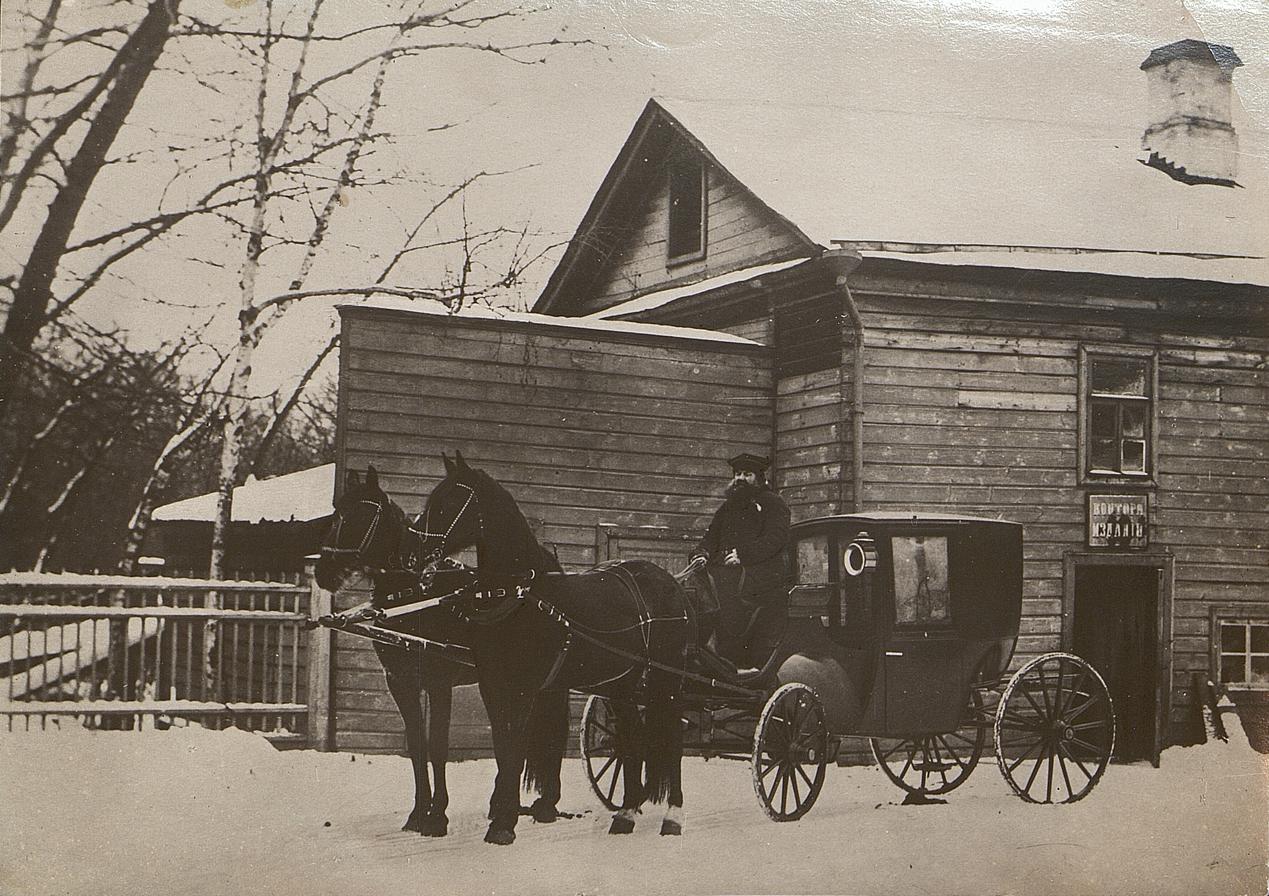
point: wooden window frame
(1234, 614)
(1084, 396)
(697, 254)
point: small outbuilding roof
(293, 497)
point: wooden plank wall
(739, 234)
(585, 428)
(977, 414)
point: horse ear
(449, 464)
(462, 464)
(372, 477)
(352, 481)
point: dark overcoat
(756, 523)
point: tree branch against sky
(153, 151)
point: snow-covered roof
(486, 312)
(293, 497)
(1125, 264)
(652, 300)
(843, 175)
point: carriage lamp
(860, 555)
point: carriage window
(812, 561)
(920, 579)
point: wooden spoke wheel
(1055, 729)
(602, 752)
(936, 763)
(790, 752)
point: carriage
(901, 631)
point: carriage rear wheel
(791, 737)
(1055, 729)
(935, 763)
(602, 751)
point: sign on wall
(1118, 521)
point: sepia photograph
(604, 447)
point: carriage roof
(897, 516)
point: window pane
(1134, 457)
(1134, 420)
(1102, 419)
(920, 579)
(1232, 669)
(1260, 670)
(1260, 638)
(1105, 457)
(813, 560)
(1233, 638)
(686, 184)
(1118, 377)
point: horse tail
(663, 732)
(544, 747)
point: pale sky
(558, 126)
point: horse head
(469, 509)
(365, 533)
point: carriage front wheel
(1055, 729)
(790, 752)
(935, 763)
(602, 752)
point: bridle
(411, 560)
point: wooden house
(1038, 328)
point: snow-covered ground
(195, 812)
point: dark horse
(622, 630)
(371, 534)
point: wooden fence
(133, 652)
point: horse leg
(405, 687)
(440, 698)
(672, 824)
(629, 731)
(507, 715)
(548, 735)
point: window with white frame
(1119, 411)
(1243, 652)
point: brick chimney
(1190, 136)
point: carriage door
(921, 653)
(1116, 628)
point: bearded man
(745, 548)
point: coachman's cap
(749, 463)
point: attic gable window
(685, 237)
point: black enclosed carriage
(901, 629)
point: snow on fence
(133, 652)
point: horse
(371, 534)
(623, 630)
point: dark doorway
(1116, 616)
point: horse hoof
(671, 828)
(543, 812)
(621, 825)
(434, 826)
(500, 836)
(413, 823)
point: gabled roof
(648, 137)
(1061, 180)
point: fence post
(319, 667)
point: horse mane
(502, 515)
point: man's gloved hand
(731, 558)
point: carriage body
(894, 618)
